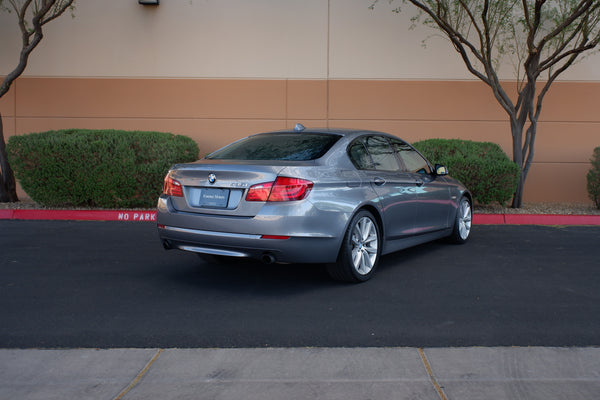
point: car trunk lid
(220, 189)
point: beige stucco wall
(217, 70)
(263, 39)
(182, 38)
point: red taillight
(283, 189)
(259, 192)
(289, 189)
(172, 187)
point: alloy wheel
(465, 217)
(364, 245)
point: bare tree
(31, 15)
(542, 38)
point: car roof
(334, 131)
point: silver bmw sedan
(339, 197)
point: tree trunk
(523, 152)
(8, 186)
(516, 129)
(518, 197)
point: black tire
(360, 251)
(462, 222)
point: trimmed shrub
(593, 178)
(482, 166)
(97, 168)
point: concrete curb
(150, 215)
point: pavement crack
(139, 376)
(432, 378)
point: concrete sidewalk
(302, 373)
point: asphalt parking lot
(110, 284)
(101, 308)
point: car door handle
(420, 182)
(379, 181)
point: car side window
(359, 156)
(382, 154)
(412, 160)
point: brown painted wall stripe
(217, 111)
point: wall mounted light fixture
(148, 2)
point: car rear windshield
(278, 146)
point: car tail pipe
(268, 258)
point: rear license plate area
(209, 197)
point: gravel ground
(528, 208)
(31, 205)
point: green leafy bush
(482, 166)
(593, 178)
(97, 168)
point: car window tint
(359, 156)
(412, 160)
(382, 154)
(278, 146)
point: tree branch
(582, 8)
(59, 8)
(50, 10)
(461, 44)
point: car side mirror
(441, 170)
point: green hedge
(97, 168)
(593, 178)
(482, 166)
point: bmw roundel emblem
(212, 178)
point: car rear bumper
(290, 250)
(287, 241)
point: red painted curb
(488, 219)
(150, 215)
(81, 215)
(6, 214)
(534, 219)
